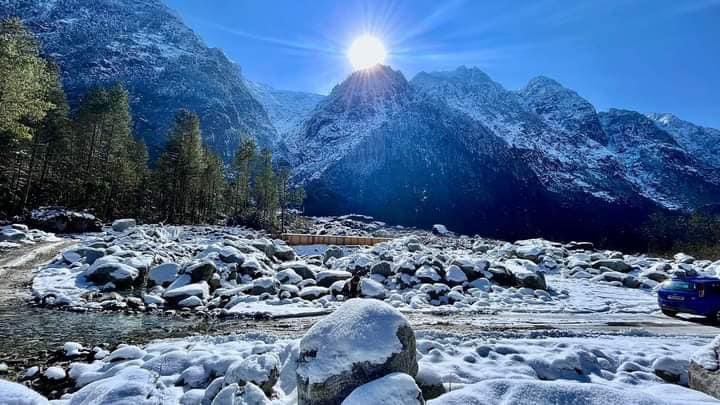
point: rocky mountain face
(701, 142)
(456, 147)
(163, 63)
(287, 110)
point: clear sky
(645, 55)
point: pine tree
(242, 177)
(25, 78)
(178, 170)
(266, 195)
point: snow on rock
(72, 349)
(262, 370)
(16, 235)
(131, 385)
(362, 340)
(163, 274)
(393, 389)
(119, 274)
(16, 394)
(588, 368)
(55, 373)
(200, 290)
(122, 225)
(126, 353)
(522, 391)
(370, 288)
(61, 220)
(704, 370)
(417, 271)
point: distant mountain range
(452, 147)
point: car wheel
(669, 313)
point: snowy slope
(286, 109)
(702, 142)
(656, 163)
(161, 61)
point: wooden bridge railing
(306, 239)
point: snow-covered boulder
(122, 225)
(526, 273)
(130, 385)
(370, 288)
(202, 271)
(361, 341)
(8, 234)
(265, 285)
(16, 394)
(382, 268)
(612, 264)
(117, 273)
(175, 295)
(262, 370)
(61, 220)
(429, 382)
(393, 389)
(326, 278)
(704, 369)
(163, 274)
(441, 230)
(671, 369)
(455, 275)
(525, 391)
(284, 253)
(333, 252)
(313, 292)
(84, 252)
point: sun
(366, 51)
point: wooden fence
(305, 239)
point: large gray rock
(202, 271)
(262, 370)
(119, 274)
(9, 234)
(163, 274)
(526, 273)
(61, 220)
(326, 278)
(361, 341)
(122, 225)
(613, 264)
(285, 253)
(704, 380)
(704, 369)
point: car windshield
(679, 285)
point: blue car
(691, 295)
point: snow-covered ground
(484, 285)
(183, 371)
(18, 235)
(230, 271)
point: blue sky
(645, 55)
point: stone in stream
(361, 341)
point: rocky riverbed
(109, 289)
